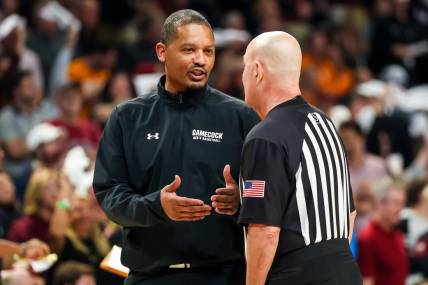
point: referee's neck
(277, 97)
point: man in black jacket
(188, 133)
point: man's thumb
(228, 179)
(174, 184)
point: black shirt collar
(190, 97)
(296, 101)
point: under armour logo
(155, 136)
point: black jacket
(145, 143)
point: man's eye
(209, 51)
(188, 50)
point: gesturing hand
(179, 208)
(226, 199)
(34, 249)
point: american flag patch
(254, 188)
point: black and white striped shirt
(295, 175)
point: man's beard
(196, 86)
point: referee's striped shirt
(295, 175)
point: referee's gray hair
(178, 19)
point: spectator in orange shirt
(92, 71)
(336, 79)
(323, 63)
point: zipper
(183, 131)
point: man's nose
(200, 58)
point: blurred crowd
(65, 64)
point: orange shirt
(331, 81)
(334, 82)
(80, 71)
(92, 81)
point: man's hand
(34, 249)
(7, 193)
(226, 200)
(181, 208)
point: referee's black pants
(220, 274)
(326, 263)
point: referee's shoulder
(266, 130)
(313, 109)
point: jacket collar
(191, 97)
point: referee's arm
(262, 241)
(352, 217)
(264, 199)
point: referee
(296, 195)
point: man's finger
(222, 198)
(222, 205)
(225, 212)
(44, 249)
(225, 191)
(193, 209)
(184, 201)
(174, 185)
(228, 179)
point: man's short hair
(178, 19)
(67, 87)
(353, 126)
(18, 77)
(70, 271)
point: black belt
(218, 264)
(179, 267)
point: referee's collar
(296, 101)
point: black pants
(327, 263)
(230, 274)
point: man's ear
(160, 52)
(258, 71)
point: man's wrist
(63, 204)
(155, 199)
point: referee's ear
(258, 71)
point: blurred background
(65, 64)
